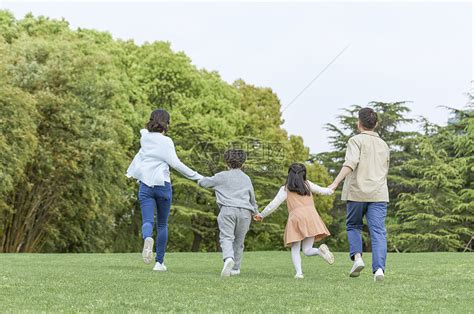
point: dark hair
(235, 158)
(296, 180)
(368, 118)
(159, 121)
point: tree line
(73, 101)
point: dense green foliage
(430, 179)
(415, 283)
(436, 211)
(72, 104)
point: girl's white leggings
(308, 250)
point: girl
(151, 168)
(304, 224)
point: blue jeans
(375, 213)
(158, 197)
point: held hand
(333, 186)
(257, 217)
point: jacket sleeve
(210, 182)
(253, 200)
(352, 154)
(174, 162)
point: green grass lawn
(428, 282)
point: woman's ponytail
(159, 121)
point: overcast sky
(419, 52)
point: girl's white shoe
(147, 253)
(299, 276)
(326, 254)
(159, 267)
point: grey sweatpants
(233, 226)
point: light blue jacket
(151, 163)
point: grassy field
(431, 282)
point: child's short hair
(368, 118)
(235, 158)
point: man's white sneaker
(299, 276)
(159, 267)
(147, 253)
(326, 254)
(379, 275)
(357, 268)
(235, 272)
(228, 264)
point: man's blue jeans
(375, 213)
(158, 197)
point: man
(365, 190)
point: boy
(365, 189)
(236, 199)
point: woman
(151, 168)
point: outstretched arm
(173, 160)
(209, 182)
(274, 204)
(342, 174)
(319, 190)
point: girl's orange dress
(303, 219)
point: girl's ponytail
(296, 180)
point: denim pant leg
(163, 196)
(376, 213)
(354, 224)
(147, 205)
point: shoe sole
(227, 268)
(327, 255)
(147, 253)
(379, 278)
(356, 271)
(160, 270)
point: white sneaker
(235, 272)
(379, 275)
(147, 252)
(159, 267)
(357, 268)
(326, 254)
(228, 264)
(299, 276)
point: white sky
(420, 52)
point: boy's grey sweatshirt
(233, 189)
